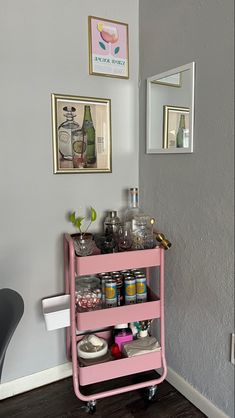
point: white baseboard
(197, 399)
(33, 381)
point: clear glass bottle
(138, 223)
(72, 139)
(89, 130)
(133, 209)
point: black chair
(11, 311)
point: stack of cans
(125, 287)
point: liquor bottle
(181, 132)
(89, 130)
(133, 209)
(137, 222)
(72, 140)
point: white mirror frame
(149, 149)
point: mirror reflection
(170, 111)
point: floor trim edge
(195, 397)
(33, 381)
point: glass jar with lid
(142, 237)
(88, 293)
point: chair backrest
(11, 311)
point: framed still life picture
(81, 131)
(175, 127)
(108, 48)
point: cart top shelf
(115, 261)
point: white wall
(191, 195)
(44, 50)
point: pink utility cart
(154, 308)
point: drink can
(136, 271)
(126, 275)
(103, 277)
(123, 272)
(120, 293)
(140, 275)
(141, 289)
(110, 293)
(130, 290)
(115, 275)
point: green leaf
(117, 49)
(78, 222)
(72, 217)
(93, 214)
(102, 45)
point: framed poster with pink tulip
(108, 48)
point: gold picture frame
(171, 119)
(108, 47)
(81, 133)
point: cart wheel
(151, 393)
(91, 407)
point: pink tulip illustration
(109, 35)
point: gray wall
(44, 50)
(191, 196)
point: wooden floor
(58, 400)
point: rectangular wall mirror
(170, 111)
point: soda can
(124, 272)
(110, 293)
(103, 277)
(102, 274)
(116, 275)
(130, 290)
(126, 275)
(140, 275)
(136, 271)
(141, 289)
(120, 293)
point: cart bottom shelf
(118, 368)
(119, 382)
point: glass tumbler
(124, 238)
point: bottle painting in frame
(81, 130)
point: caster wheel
(91, 407)
(151, 393)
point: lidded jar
(88, 293)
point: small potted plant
(83, 241)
